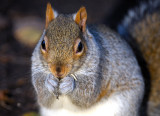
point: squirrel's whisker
(74, 76)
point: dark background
(16, 92)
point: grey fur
(108, 61)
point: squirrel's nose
(57, 71)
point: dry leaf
(31, 114)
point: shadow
(119, 12)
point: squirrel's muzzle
(59, 71)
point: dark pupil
(80, 47)
(43, 45)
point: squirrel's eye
(43, 45)
(79, 47)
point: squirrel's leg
(46, 88)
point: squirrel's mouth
(59, 76)
(74, 76)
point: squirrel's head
(64, 44)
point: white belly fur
(63, 107)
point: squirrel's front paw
(67, 85)
(51, 83)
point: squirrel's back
(142, 26)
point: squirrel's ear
(81, 17)
(50, 14)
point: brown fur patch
(62, 34)
(49, 14)
(105, 91)
(81, 18)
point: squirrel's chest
(64, 107)
(63, 103)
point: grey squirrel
(79, 70)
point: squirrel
(141, 29)
(80, 70)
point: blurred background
(21, 25)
